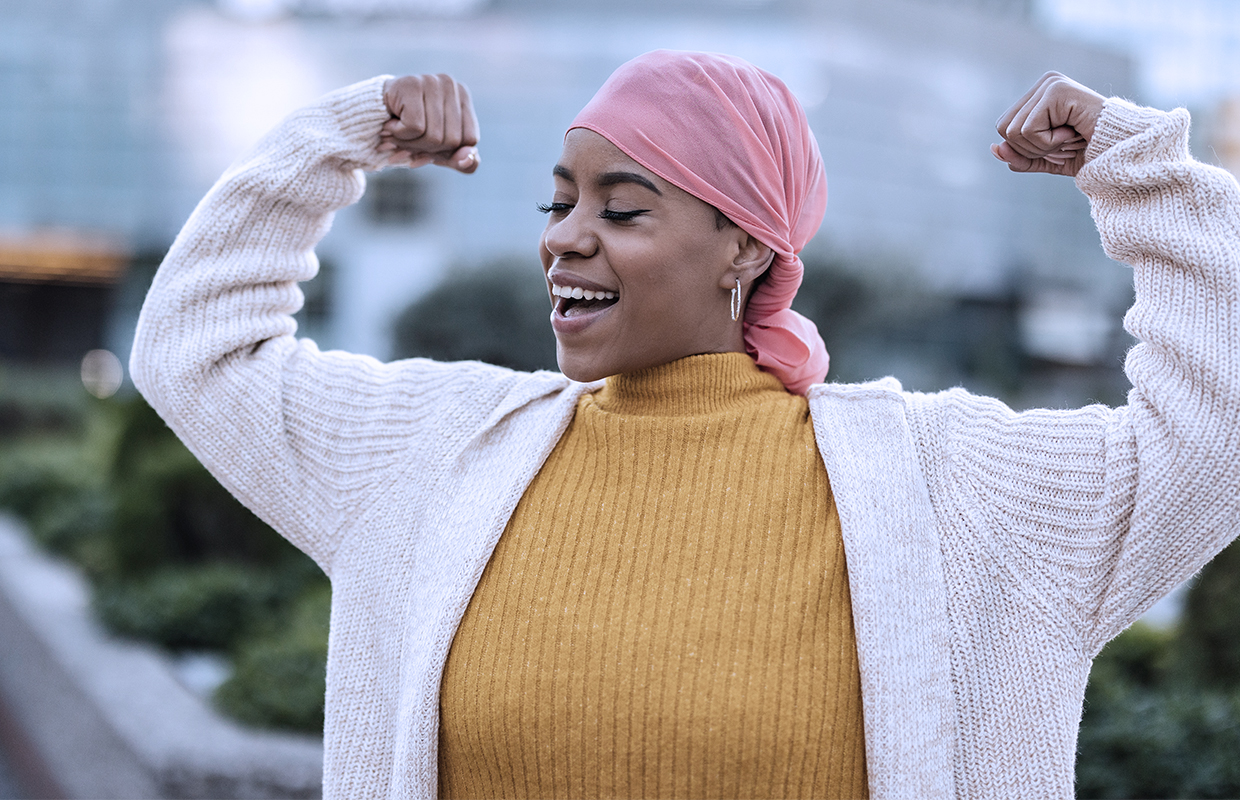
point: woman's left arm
(1116, 507)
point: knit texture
(990, 554)
(667, 613)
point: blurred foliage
(199, 607)
(497, 314)
(34, 398)
(1162, 710)
(1210, 631)
(168, 508)
(173, 557)
(1152, 743)
(281, 678)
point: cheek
(698, 262)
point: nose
(571, 235)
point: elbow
(143, 365)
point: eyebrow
(612, 178)
(609, 178)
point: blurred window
(395, 197)
(56, 289)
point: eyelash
(606, 213)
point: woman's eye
(621, 216)
(554, 208)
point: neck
(700, 384)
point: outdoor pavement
(10, 789)
(12, 785)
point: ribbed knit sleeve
(300, 436)
(1096, 513)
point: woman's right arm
(298, 435)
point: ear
(752, 258)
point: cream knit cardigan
(991, 554)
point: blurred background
(934, 264)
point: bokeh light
(102, 373)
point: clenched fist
(433, 122)
(1049, 128)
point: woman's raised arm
(1106, 510)
(298, 435)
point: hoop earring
(736, 301)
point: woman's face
(660, 269)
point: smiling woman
(615, 227)
(685, 567)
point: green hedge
(173, 557)
(1162, 710)
(281, 679)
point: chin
(585, 365)
(582, 373)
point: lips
(578, 304)
(576, 301)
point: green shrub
(1150, 730)
(280, 680)
(497, 314)
(41, 398)
(1176, 742)
(1142, 656)
(1209, 640)
(76, 528)
(175, 559)
(29, 487)
(168, 508)
(208, 606)
(59, 493)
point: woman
(548, 587)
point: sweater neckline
(690, 386)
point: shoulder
(942, 427)
(481, 391)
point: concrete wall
(109, 719)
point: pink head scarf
(734, 136)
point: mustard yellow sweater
(667, 613)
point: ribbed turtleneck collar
(696, 385)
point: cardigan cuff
(1119, 120)
(360, 112)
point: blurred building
(1186, 52)
(118, 114)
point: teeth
(577, 293)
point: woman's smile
(577, 303)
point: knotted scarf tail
(787, 345)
